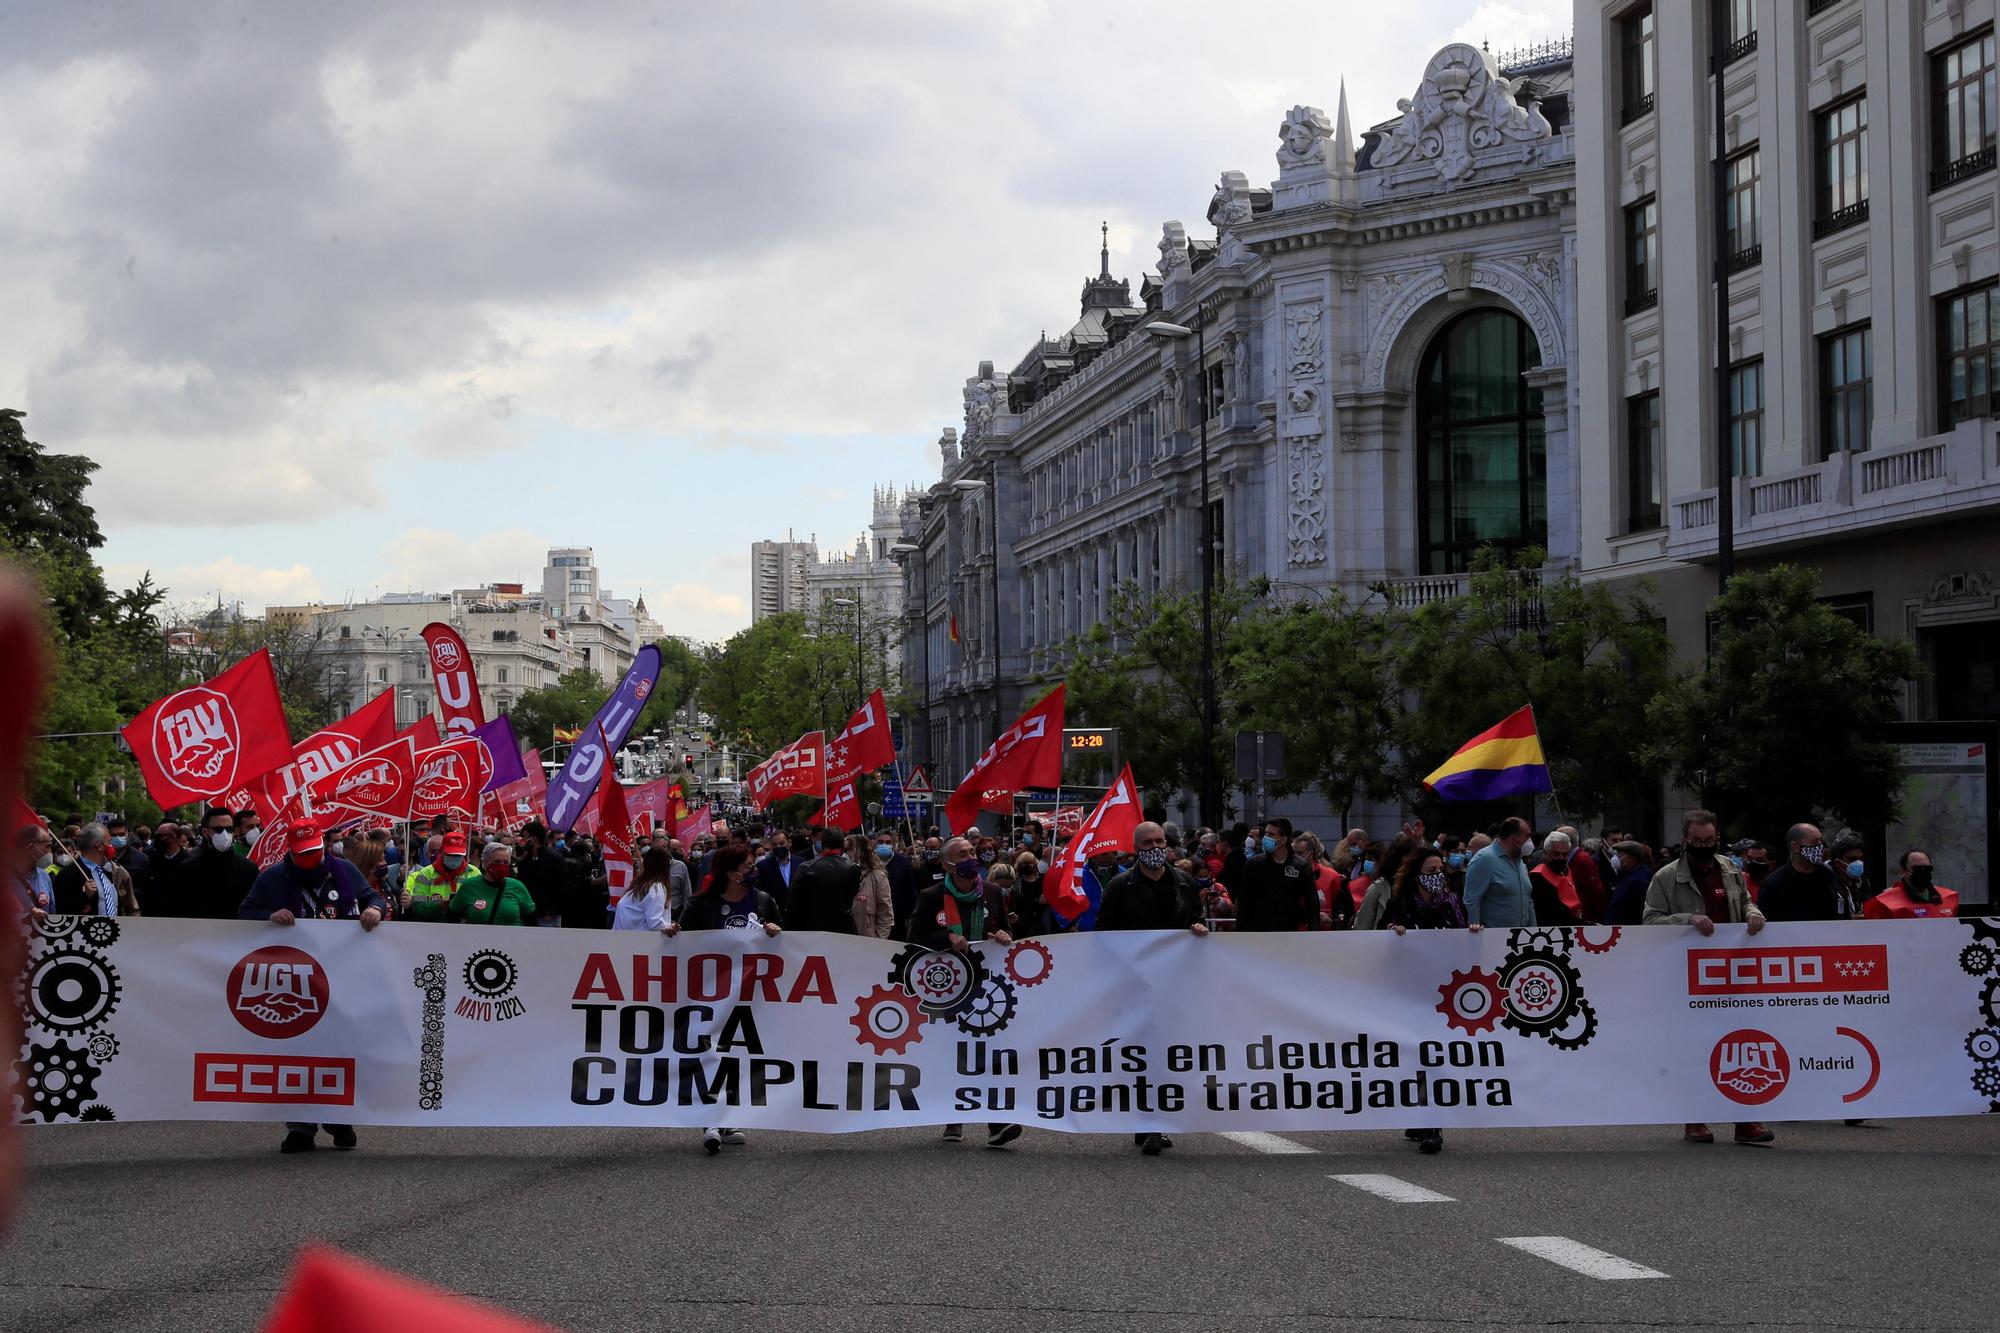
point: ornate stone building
(1383, 369)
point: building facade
(1382, 364)
(1863, 329)
(778, 572)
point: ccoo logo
(1749, 1066)
(195, 739)
(278, 992)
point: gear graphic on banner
(1029, 963)
(101, 931)
(1585, 943)
(992, 1008)
(57, 1079)
(490, 974)
(1544, 996)
(888, 1020)
(69, 988)
(945, 982)
(1976, 959)
(1472, 1001)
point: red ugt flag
(381, 782)
(865, 744)
(450, 778)
(1109, 829)
(614, 831)
(1027, 754)
(451, 672)
(201, 743)
(366, 728)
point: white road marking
(1580, 1258)
(1392, 1189)
(1272, 1143)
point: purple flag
(498, 738)
(587, 758)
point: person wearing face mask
(93, 884)
(1553, 887)
(1028, 913)
(540, 871)
(492, 896)
(430, 888)
(1849, 864)
(1423, 900)
(953, 914)
(1632, 864)
(902, 879)
(212, 880)
(129, 853)
(1592, 893)
(1497, 890)
(1236, 854)
(824, 889)
(929, 870)
(307, 883)
(1804, 888)
(1916, 895)
(34, 856)
(1152, 895)
(1279, 891)
(874, 907)
(1753, 858)
(776, 870)
(729, 900)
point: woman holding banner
(728, 901)
(1423, 900)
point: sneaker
(735, 1138)
(297, 1141)
(343, 1137)
(1431, 1142)
(711, 1141)
(1697, 1134)
(1754, 1131)
(1003, 1136)
(953, 1133)
(1166, 1142)
(1152, 1144)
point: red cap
(453, 844)
(304, 836)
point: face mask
(309, 860)
(118, 841)
(930, 854)
(1433, 881)
(1920, 876)
(1556, 862)
(1855, 869)
(781, 852)
(1269, 844)
(562, 848)
(1756, 869)
(1204, 882)
(221, 840)
(1367, 867)
(1456, 860)
(1703, 854)
(884, 850)
(967, 868)
(1815, 854)
(453, 863)
(337, 850)
(1616, 861)
(250, 838)
(1528, 846)
(986, 858)
(45, 860)
(1153, 857)
(1027, 840)
(64, 859)
(1736, 861)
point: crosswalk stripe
(1271, 1143)
(1580, 1258)
(1393, 1189)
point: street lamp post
(859, 689)
(969, 485)
(924, 619)
(1211, 813)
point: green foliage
(43, 514)
(793, 673)
(1779, 723)
(300, 658)
(680, 678)
(1587, 659)
(569, 703)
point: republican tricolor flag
(1505, 760)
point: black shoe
(1152, 1144)
(343, 1137)
(1003, 1136)
(1413, 1133)
(1431, 1142)
(297, 1141)
(711, 1141)
(953, 1133)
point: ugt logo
(278, 992)
(1749, 1066)
(195, 740)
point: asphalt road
(175, 1227)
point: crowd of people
(917, 885)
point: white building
(778, 572)
(867, 574)
(1863, 333)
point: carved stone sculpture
(1463, 107)
(1173, 248)
(1302, 138)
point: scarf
(976, 928)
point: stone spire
(1104, 252)
(1343, 137)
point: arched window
(1482, 464)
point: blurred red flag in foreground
(332, 1293)
(20, 704)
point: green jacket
(430, 891)
(479, 903)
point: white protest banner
(420, 1024)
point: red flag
(424, 731)
(381, 782)
(954, 627)
(700, 824)
(270, 848)
(450, 778)
(367, 728)
(614, 830)
(843, 805)
(331, 1293)
(200, 743)
(1109, 829)
(24, 817)
(798, 769)
(451, 672)
(1027, 754)
(865, 744)
(21, 685)
(521, 802)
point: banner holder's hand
(772, 928)
(1199, 929)
(282, 917)
(1001, 937)
(371, 918)
(671, 929)
(1702, 924)
(1756, 922)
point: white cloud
(437, 560)
(227, 580)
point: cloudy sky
(351, 297)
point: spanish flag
(1503, 761)
(954, 627)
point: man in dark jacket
(540, 871)
(902, 887)
(1803, 889)
(1279, 891)
(954, 913)
(1152, 895)
(211, 881)
(130, 853)
(776, 871)
(309, 883)
(823, 891)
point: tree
(789, 674)
(301, 659)
(570, 703)
(1781, 721)
(43, 513)
(1588, 660)
(1139, 670)
(1321, 673)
